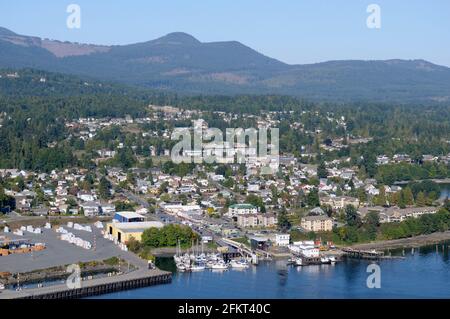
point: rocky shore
(416, 241)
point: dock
(135, 279)
(362, 254)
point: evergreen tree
(421, 199)
(381, 197)
(408, 196)
(351, 216)
(322, 170)
(313, 198)
(283, 222)
(104, 187)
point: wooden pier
(136, 279)
(362, 254)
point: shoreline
(416, 241)
(136, 279)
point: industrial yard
(59, 252)
(64, 245)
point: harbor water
(422, 273)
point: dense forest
(35, 106)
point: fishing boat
(325, 260)
(332, 259)
(2, 286)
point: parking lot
(59, 252)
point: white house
(85, 196)
(282, 239)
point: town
(112, 193)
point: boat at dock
(182, 267)
(197, 268)
(301, 260)
(239, 264)
(221, 265)
(298, 261)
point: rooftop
(312, 218)
(130, 215)
(138, 226)
(242, 206)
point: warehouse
(124, 231)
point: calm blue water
(424, 274)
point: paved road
(239, 197)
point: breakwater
(137, 279)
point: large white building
(282, 239)
(179, 208)
(241, 209)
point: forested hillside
(34, 106)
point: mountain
(179, 62)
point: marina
(422, 273)
(198, 261)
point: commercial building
(124, 231)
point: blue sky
(293, 31)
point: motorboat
(197, 267)
(182, 267)
(298, 261)
(239, 264)
(221, 265)
(325, 260)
